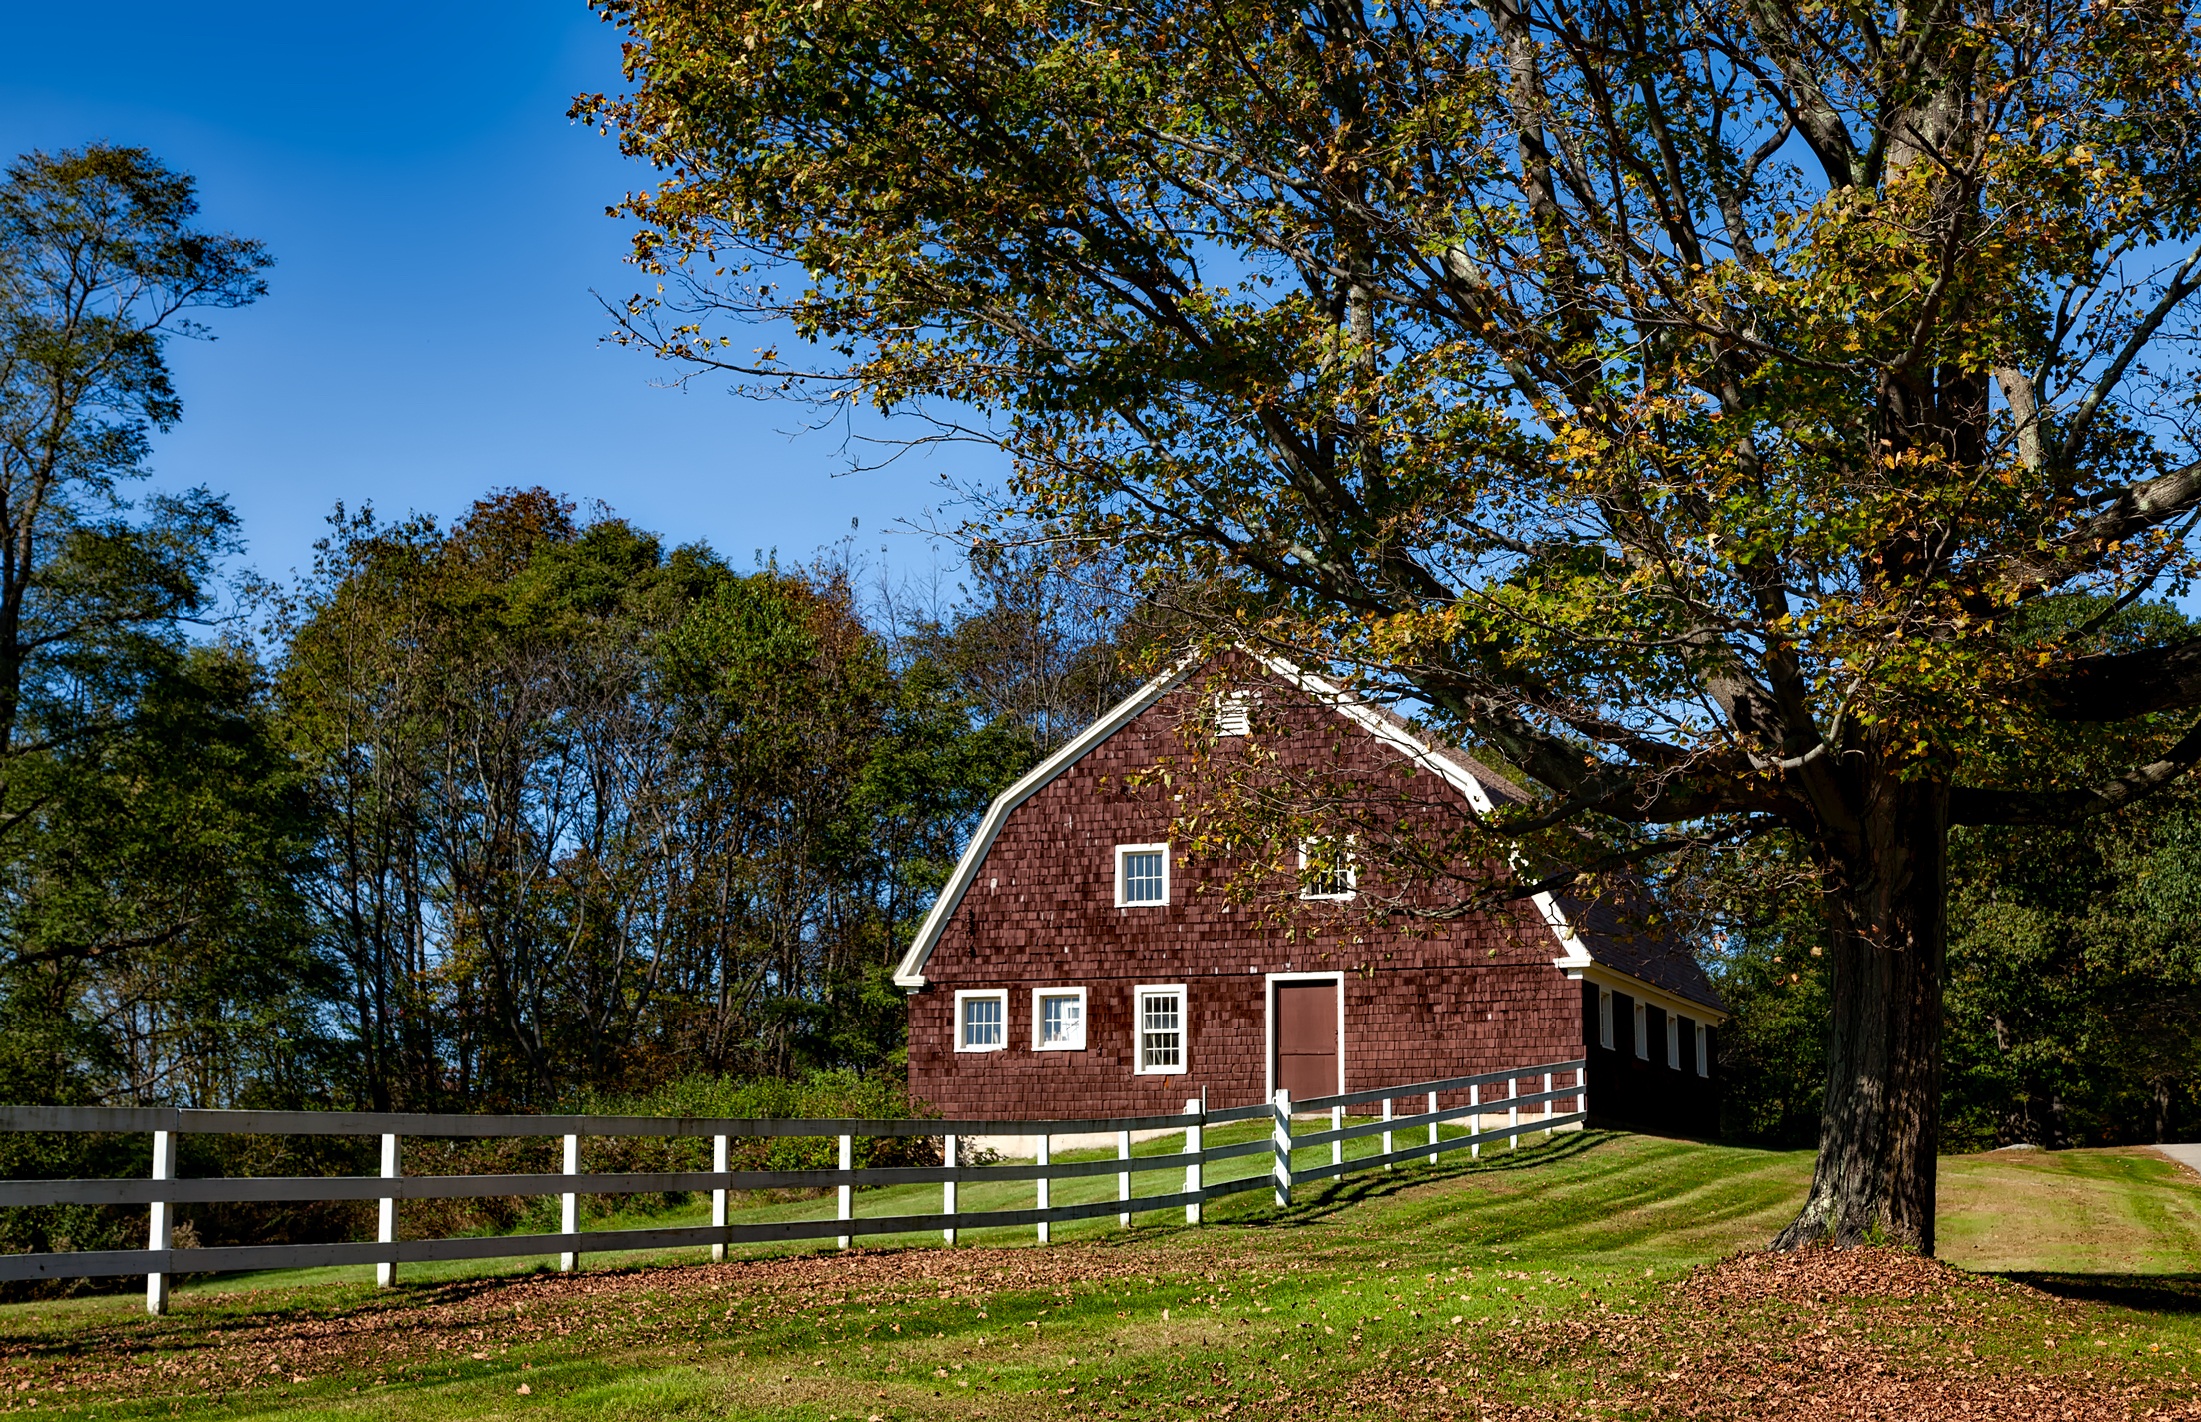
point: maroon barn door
(1306, 1039)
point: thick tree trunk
(1874, 1181)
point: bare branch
(2184, 284)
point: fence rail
(163, 1191)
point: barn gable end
(1033, 929)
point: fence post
(160, 1231)
(1582, 1093)
(385, 1270)
(718, 1196)
(1337, 1123)
(951, 1156)
(569, 1217)
(1280, 1141)
(1195, 1176)
(1513, 1112)
(848, 1185)
(1432, 1129)
(1386, 1134)
(1475, 1122)
(1123, 1178)
(1547, 1108)
(1045, 1200)
(719, 1156)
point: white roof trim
(910, 972)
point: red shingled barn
(1073, 965)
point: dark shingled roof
(1622, 942)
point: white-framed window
(982, 1020)
(1058, 1019)
(1158, 1020)
(1642, 1033)
(1142, 875)
(1704, 1051)
(1605, 1018)
(1234, 713)
(1673, 1042)
(1339, 879)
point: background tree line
(531, 806)
(486, 815)
(593, 812)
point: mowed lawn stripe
(1671, 1198)
(2119, 1210)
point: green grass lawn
(1578, 1278)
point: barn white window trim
(1334, 882)
(1161, 1029)
(1058, 1019)
(1704, 1050)
(1642, 1032)
(1673, 1042)
(982, 1020)
(1142, 875)
(1234, 713)
(1605, 1018)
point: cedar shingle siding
(1470, 996)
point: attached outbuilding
(1078, 963)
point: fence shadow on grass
(2144, 1293)
(1326, 1198)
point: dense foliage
(595, 812)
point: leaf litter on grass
(451, 1326)
(1818, 1334)
(1815, 1335)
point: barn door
(1306, 1039)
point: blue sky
(438, 226)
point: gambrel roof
(1595, 944)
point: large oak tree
(1684, 400)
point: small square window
(1159, 1015)
(1234, 714)
(982, 1021)
(1142, 875)
(1058, 1019)
(1605, 1018)
(1337, 879)
(1642, 1033)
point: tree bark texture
(1886, 911)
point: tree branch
(2136, 508)
(2116, 686)
(1969, 806)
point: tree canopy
(1685, 402)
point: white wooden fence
(164, 1191)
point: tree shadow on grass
(2144, 1293)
